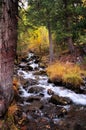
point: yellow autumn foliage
(38, 40)
(65, 72)
(84, 2)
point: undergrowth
(66, 72)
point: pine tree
(8, 40)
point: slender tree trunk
(8, 40)
(50, 44)
(70, 44)
(69, 40)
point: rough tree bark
(8, 40)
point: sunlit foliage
(66, 72)
(38, 40)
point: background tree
(71, 22)
(66, 20)
(43, 13)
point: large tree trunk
(8, 40)
(50, 44)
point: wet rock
(32, 81)
(37, 60)
(52, 111)
(50, 92)
(62, 113)
(23, 81)
(41, 94)
(35, 105)
(35, 89)
(60, 100)
(24, 59)
(56, 82)
(41, 72)
(72, 87)
(33, 98)
(22, 65)
(20, 92)
(83, 89)
(20, 74)
(27, 82)
(35, 57)
(28, 68)
(49, 81)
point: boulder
(35, 105)
(27, 82)
(55, 99)
(33, 98)
(36, 89)
(29, 68)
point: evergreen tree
(8, 40)
(43, 13)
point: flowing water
(43, 82)
(44, 86)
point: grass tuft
(65, 72)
